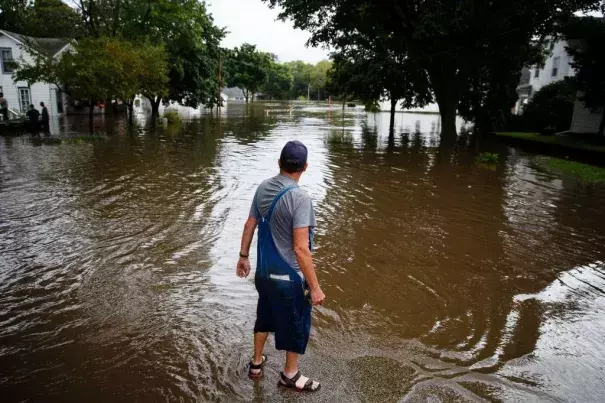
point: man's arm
(305, 262)
(243, 264)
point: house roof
(48, 46)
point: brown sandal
(256, 367)
(296, 383)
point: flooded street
(445, 280)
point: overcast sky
(252, 21)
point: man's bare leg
(291, 367)
(259, 345)
(290, 371)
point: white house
(20, 94)
(556, 68)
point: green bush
(488, 158)
(172, 117)
(372, 106)
(551, 109)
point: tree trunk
(130, 104)
(91, 109)
(448, 121)
(444, 81)
(393, 108)
(90, 116)
(602, 125)
(155, 105)
(246, 94)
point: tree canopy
(301, 75)
(371, 72)
(101, 68)
(248, 69)
(183, 28)
(279, 81)
(40, 18)
(465, 47)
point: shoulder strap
(276, 199)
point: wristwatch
(243, 256)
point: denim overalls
(283, 306)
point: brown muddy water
(445, 280)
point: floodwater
(445, 280)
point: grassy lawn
(584, 172)
(562, 140)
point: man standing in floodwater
(285, 275)
(34, 119)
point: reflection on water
(446, 281)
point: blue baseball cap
(293, 156)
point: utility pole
(308, 92)
(220, 79)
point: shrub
(551, 109)
(488, 158)
(372, 106)
(172, 117)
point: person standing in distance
(3, 106)
(285, 275)
(45, 125)
(34, 120)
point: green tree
(279, 81)
(319, 76)
(192, 42)
(248, 69)
(453, 41)
(301, 74)
(52, 19)
(40, 18)
(14, 15)
(187, 32)
(586, 37)
(370, 72)
(99, 69)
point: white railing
(11, 114)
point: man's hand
(317, 296)
(243, 267)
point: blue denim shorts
(284, 309)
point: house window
(59, 95)
(555, 66)
(537, 73)
(24, 98)
(7, 56)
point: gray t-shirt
(293, 210)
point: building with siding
(585, 120)
(20, 94)
(556, 67)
